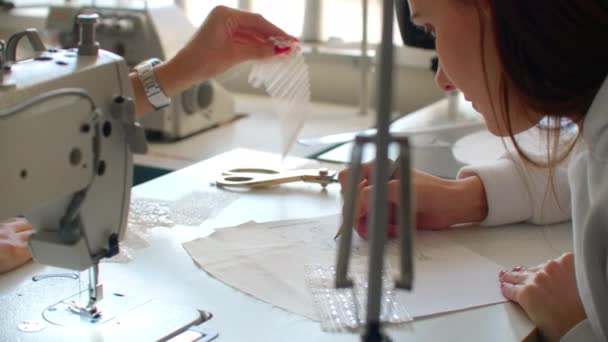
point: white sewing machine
(139, 33)
(67, 137)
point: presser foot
(90, 312)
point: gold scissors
(258, 178)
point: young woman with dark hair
(522, 63)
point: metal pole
(453, 100)
(94, 295)
(363, 96)
(379, 206)
(406, 217)
(311, 32)
(348, 216)
(181, 4)
(245, 5)
(2, 45)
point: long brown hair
(554, 55)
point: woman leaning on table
(519, 61)
(226, 38)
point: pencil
(338, 233)
(393, 170)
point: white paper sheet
(267, 260)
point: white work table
(164, 270)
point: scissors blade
(252, 178)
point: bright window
(341, 19)
(197, 10)
(286, 14)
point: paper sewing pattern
(267, 261)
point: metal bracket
(10, 50)
(379, 204)
(405, 215)
(2, 48)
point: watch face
(154, 61)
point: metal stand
(364, 66)
(373, 333)
(2, 46)
(379, 206)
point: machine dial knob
(205, 95)
(198, 97)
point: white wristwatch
(155, 94)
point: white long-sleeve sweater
(516, 192)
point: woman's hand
(226, 38)
(439, 203)
(364, 190)
(432, 203)
(366, 174)
(548, 294)
(14, 251)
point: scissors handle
(257, 178)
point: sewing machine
(139, 33)
(67, 138)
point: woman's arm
(517, 191)
(226, 38)
(439, 202)
(14, 251)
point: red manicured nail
(501, 273)
(281, 50)
(393, 231)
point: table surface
(164, 270)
